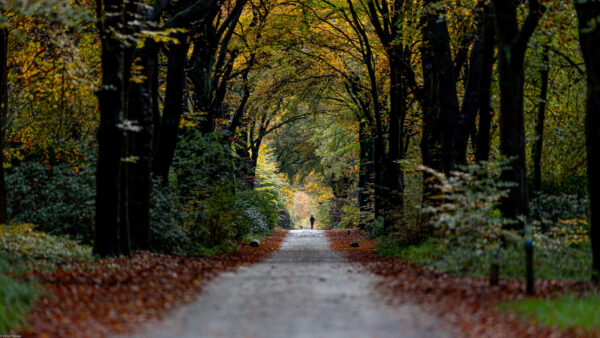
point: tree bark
(3, 114)
(365, 174)
(445, 100)
(539, 127)
(512, 44)
(141, 106)
(473, 82)
(110, 136)
(482, 152)
(589, 37)
(173, 108)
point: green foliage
(167, 231)
(550, 209)
(216, 219)
(24, 241)
(562, 262)
(350, 217)
(59, 199)
(469, 232)
(259, 208)
(202, 162)
(284, 220)
(16, 298)
(376, 228)
(467, 217)
(567, 312)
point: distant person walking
(312, 221)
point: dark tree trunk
(512, 44)
(445, 100)
(202, 61)
(365, 174)
(473, 83)
(539, 127)
(393, 181)
(431, 135)
(110, 137)
(173, 108)
(482, 151)
(589, 37)
(3, 114)
(141, 106)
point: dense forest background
(184, 126)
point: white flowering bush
(258, 222)
(467, 216)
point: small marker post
(529, 266)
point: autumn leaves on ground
(117, 295)
(467, 304)
(111, 296)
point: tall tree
(3, 111)
(512, 44)
(539, 127)
(168, 129)
(487, 35)
(111, 97)
(388, 20)
(588, 12)
(141, 112)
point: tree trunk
(110, 137)
(589, 37)
(173, 108)
(512, 44)
(446, 101)
(482, 152)
(365, 174)
(473, 81)
(141, 107)
(201, 66)
(393, 181)
(3, 114)
(539, 128)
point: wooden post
(529, 266)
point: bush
(59, 199)
(468, 218)
(168, 233)
(217, 219)
(24, 241)
(376, 228)
(550, 209)
(351, 216)
(284, 220)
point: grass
(23, 248)
(567, 262)
(567, 312)
(16, 297)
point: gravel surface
(303, 290)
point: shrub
(24, 241)
(284, 219)
(59, 199)
(376, 228)
(468, 217)
(351, 216)
(167, 218)
(549, 209)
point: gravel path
(303, 290)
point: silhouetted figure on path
(312, 221)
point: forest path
(303, 290)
